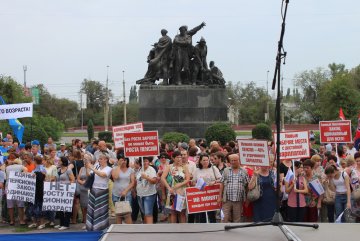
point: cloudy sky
(64, 41)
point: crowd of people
(150, 184)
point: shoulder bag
(123, 207)
(254, 194)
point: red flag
(341, 114)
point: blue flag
(15, 125)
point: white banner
(15, 111)
(118, 132)
(254, 153)
(21, 187)
(58, 196)
(294, 145)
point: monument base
(189, 109)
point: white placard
(14, 111)
(254, 152)
(294, 145)
(21, 186)
(118, 132)
(58, 196)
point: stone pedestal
(185, 108)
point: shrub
(90, 129)
(105, 135)
(175, 137)
(262, 131)
(37, 133)
(221, 132)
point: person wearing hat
(199, 64)
(182, 50)
(163, 52)
(62, 151)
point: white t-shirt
(102, 182)
(209, 174)
(143, 187)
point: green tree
(133, 96)
(340, 92)
(221, 132)
(262, 131)
(90, 129)
(95, 94)
(12, 92)
(310, 83)
(336, 69)
(250, 102)
(62, 109)
(132, 113)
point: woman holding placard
(210, 175)
(296, 187)
(180, 176)
(97, 217)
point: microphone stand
(277, 219)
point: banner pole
(207, 217)
(142, 164)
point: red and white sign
(118, 132)
(254, 152)
(335, 131)
(139, 144)
(202, 200)
(294, 145)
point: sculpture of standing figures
(182, 50)
(199, 64)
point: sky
(63, 42)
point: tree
(132, 113)
(250, 101)
(133, 96)
(336, 69)
(62, 109)
(95, 94)
(262, 131)
(310, 83)
(90, 129)
(11, 91)
(221, 132)
(340, 92)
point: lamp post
(267, 115)
(124, 97)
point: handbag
(356, 194)
(329, 196)
(254, 194)
(90, 180)
(123, 207)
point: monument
(190, 94)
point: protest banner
(58, 196)
(202, 200)
(118, 132)
(14, 111)
(140, 144)
(21, 187)
(254, 152)
(335, 131)
(294, 145)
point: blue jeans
(340, 204)
(146, 204)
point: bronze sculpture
(179, 62)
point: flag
(316, 187)
(289, 175)
(15, 125)
(341, 114)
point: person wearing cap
(199, 64)
(35, 148)
(182, 50)
(62, 151)
(163, 52)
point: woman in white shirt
(146, 190)
(97, 217)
